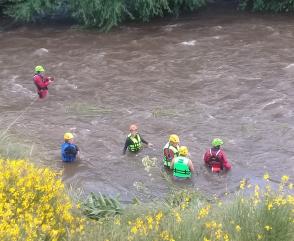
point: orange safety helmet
(133, 127)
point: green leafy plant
(98, 206)
(31, 10)
(102, 14)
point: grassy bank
(11, 147)
(264, 215)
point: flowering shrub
(34, 204)
(254, 213)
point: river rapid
(223, 75)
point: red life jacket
(214, 162)
(43, 80)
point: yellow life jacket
(136, 143)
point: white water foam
(18, 88)
(189, 43)
(218, 27)
(290, 66)
(41, 52)
(170, 27)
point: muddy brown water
(228, 76)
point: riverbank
(210, 10)
(36, 205)
(102, 18)
(262, 216)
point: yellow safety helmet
(39, 69)
(183, 151)
(174, 138)
(68, 136)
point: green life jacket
(137, 143)
(181, 167)
(167, 158)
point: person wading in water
(134, 140)
(41, 81)
(182, 165)
(69, 150)
(171, 150)
(215, 158)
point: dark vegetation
(105, 14)
(102, 14)
(267, 5)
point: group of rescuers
(175, 157)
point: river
(223, 75)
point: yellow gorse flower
(238, 228)
(33, 201)
(268, 228)
(203, 212)
(270, 206)
(116, 221)
(216, 231)
(211, 224)
(150, 222)
(226, 237)
(165, 235)
(284, 178)
(177, 216)
(158, 217)
(256, 192)
(266, 176)
(259, 236)
(144, 225)
(134, 230)
(242, 184)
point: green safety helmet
(217, 142)
(39, 69)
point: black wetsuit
(130, 142)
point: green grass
(159, 112)
(184, 223)
(12, 148)
(86, 110)
(186, 215)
